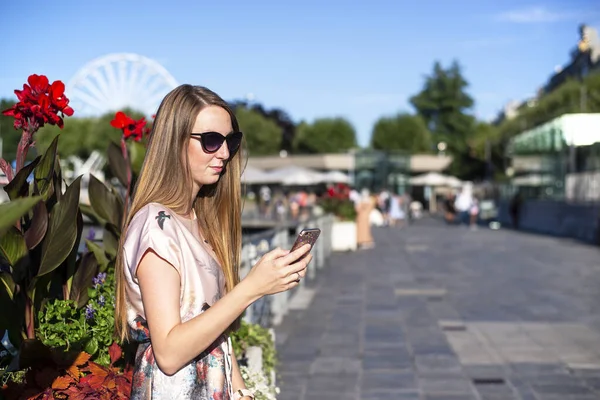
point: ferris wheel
(116, 81)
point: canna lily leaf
(82, 280)
(12, 211)
(19, 187)
(38, 227)
(62, 230)
(13, 246)
(107, 204)
(45, 170)
(116, 162)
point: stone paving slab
(444, 313)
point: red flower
(39, 103)
(130, 127)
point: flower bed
(337, 202)
(57, 320)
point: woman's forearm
(201, 331)
(237, 381)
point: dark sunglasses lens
(233, 141)
(212, 141)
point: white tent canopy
(435, 179)
(253, 176)
(336, 177)
(294, 175)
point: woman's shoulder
(151, 217)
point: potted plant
(337, 202)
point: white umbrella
(336, 177)
(254, 176)
(435, 179)
(294, 175)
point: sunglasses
(212, 141)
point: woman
(397, 214)
(178, 289)
(366, 204)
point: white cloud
(536, 14)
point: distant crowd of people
(280, 206)
(462, 209)
(381, 209)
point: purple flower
(91, 234)
(99, 280)
(101, 300)
(89, 311)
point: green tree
(277, 115)
(262, 135)
(445, 105)
(81, 136)
(573, 96)
(325, 135)
(401, 132)
(485, 159)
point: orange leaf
(62, 382)
(115, 352)
(97, 369)
(97, 375)
(81, 359)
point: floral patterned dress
(176, 240)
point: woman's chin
(211, 180)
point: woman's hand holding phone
(279, 270)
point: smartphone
(305, 236)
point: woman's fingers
(294, 277)
(296, 254)
(275, 254)
(299, 267)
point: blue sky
(355, 59)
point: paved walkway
(445, 313)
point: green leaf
(107, 204)
(137, 153)
(98, 253)
(45, 170)
(9, 284)
(91, 347)
(71, 261)
(13, 246)
(57, 178)
(38, 226)
(116, 162)
(19, 187)
(62, 230)
(89, 212)
(110, 240)
(82, 280)
(12, 211)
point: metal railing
(270, 310)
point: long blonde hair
(165, 178)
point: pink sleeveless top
(176, 240)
